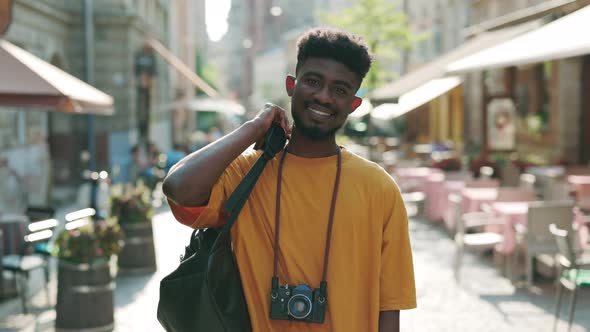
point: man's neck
(302, 146)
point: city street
(485, 301)
(479, 111)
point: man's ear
(290, 84)
(356, 103)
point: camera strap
(323, 283)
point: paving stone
(483, 301)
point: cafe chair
(527, 181)
(471, 234)
(486, 172)
(23, 264)
(574, 272)
(535, 237)
(37, 212)
(414, 202)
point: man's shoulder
(248, 157)
(364, 166)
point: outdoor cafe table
(517, 213)
(474, 197)
(513, 213)
(413, 178)
(435, 199)
(581, 185)
(450, 187)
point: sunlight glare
(216, 12)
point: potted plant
(85, 278)
(131, 205)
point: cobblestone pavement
(484, 301)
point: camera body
(299, 303)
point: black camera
(299, 303)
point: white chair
(557, 190)
(536, 238)
(510, 174)
(527, 180)
(574, 272)
(486, 172)
(470, 234)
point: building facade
(55, 31)
(551, 111)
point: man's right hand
(190, 181)
(265, 118)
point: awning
(182, 68)
(29, 82)
(416, 98)
(437, 68)
(556, 40)
(206, 104)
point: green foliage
(208, 72)
(97, 240)
(131, 204)
(383, 26)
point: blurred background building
(101, 42)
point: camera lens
(299, 306)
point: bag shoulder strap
(274, 143)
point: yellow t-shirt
(370, 266)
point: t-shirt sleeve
(397, 285)
(212, 215)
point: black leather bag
(205, 292)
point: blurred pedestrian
(13, 195)
(175, 154)
(370, 272)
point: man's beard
(312, 132)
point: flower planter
(138, 254)
(85, 297)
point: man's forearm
(190, 181)
(389, 321)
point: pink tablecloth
(474, 197)
(517, 213)
(581, 185)
(450, 187)
(513, 213)
(413, 178)
(581, 224)
(435, 199)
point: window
(533, 96)
(8, 128)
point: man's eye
(312, 82)
(340, 91)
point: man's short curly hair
(338, 45)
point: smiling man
(343, 260)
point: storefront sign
(5, 15)
(501, 124)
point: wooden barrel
(138, 254)
(85, 297)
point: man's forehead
(328, 68)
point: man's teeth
(319, 112)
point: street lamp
(145, 70)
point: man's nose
(324, 95)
